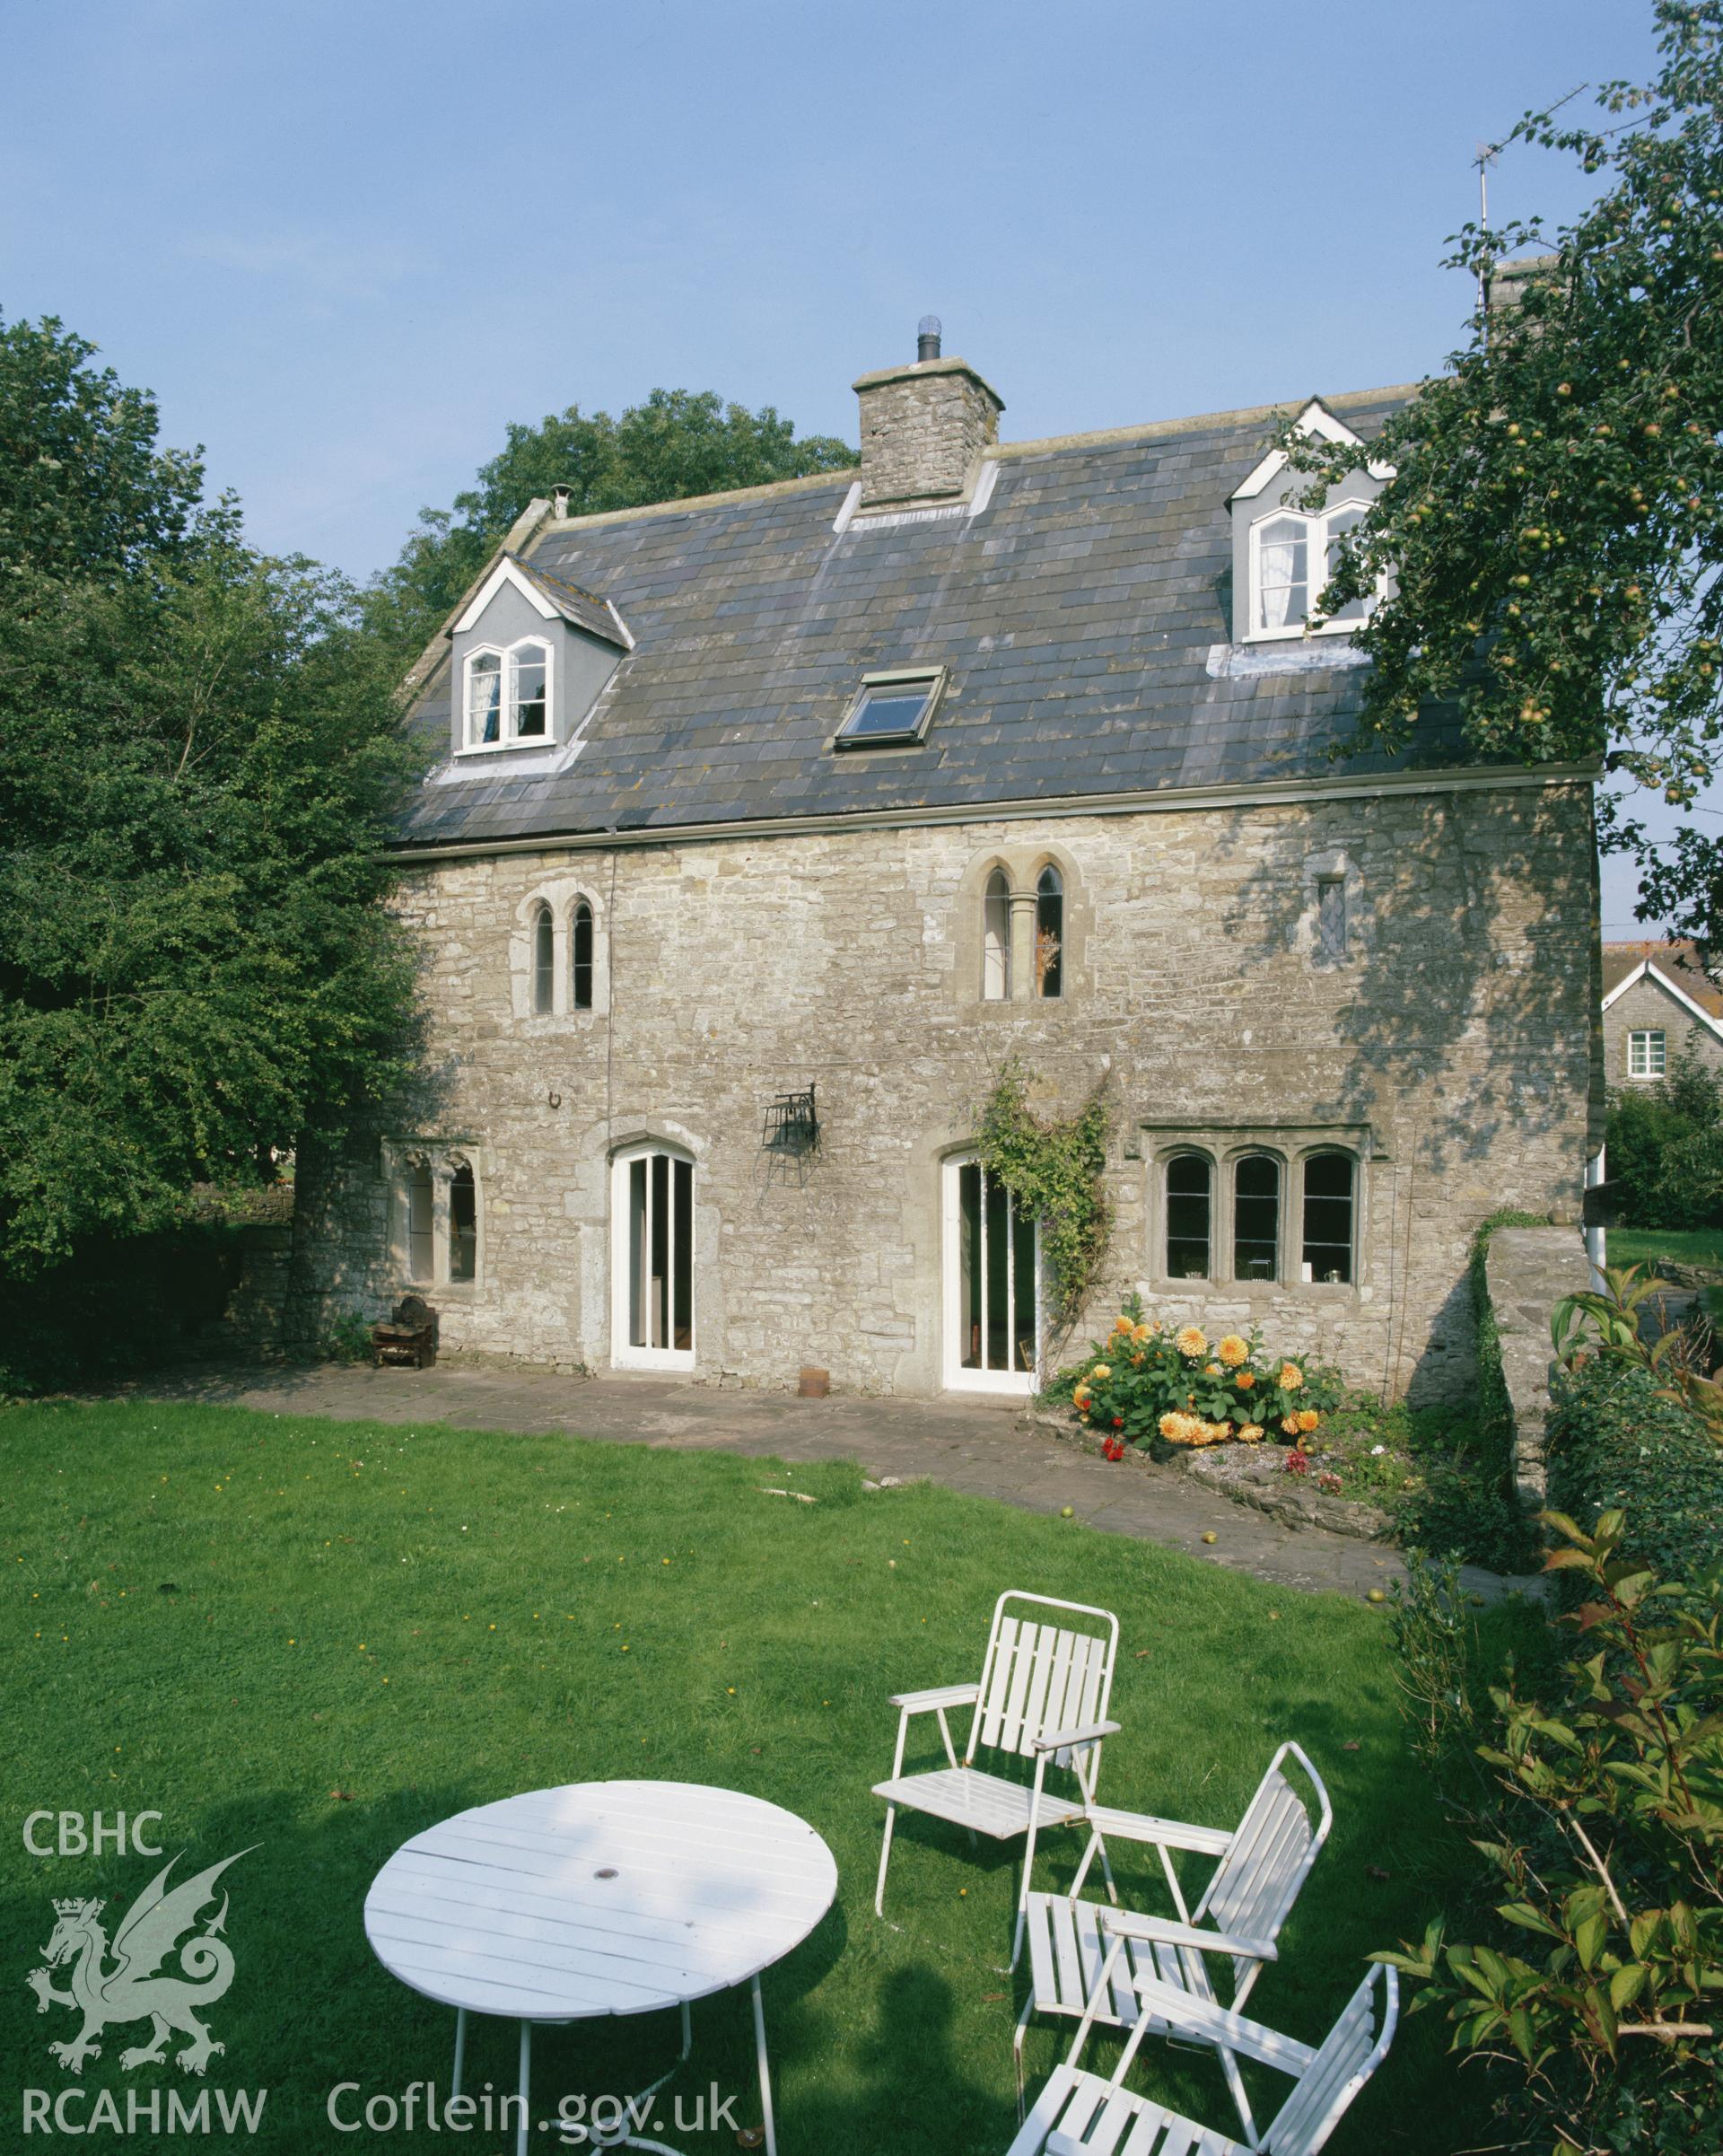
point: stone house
(765, 828)
(1658, 1004)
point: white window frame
(508, 737)
(1639, 1038)
(957, 1377)
(624, 1353)
(1315, 539)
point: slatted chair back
(1257, 1882)
(1355, 2048)
(1042, 1676)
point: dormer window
(1284, 555)
(508, 694)
(1291, 558)
(892, 710)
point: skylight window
(891, 710)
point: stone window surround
(1223, 1145)
(401, 1157)
(1334, 865)
(561, 894)
(1021, 867)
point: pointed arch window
(1049, 932)
(1256, 1217)
(580, 956)
(463, 1224)
(421, 1217)
(1190, 1216)
(544, 962)
(996, 939)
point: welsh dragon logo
(130, 1990)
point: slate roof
(585, 608)
(1678, 962)
(1084, 616)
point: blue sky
(346, 243)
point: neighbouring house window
(1330, 1207)
(1190, 1209)
(485, 698)
(1049, 932)
(996, 939)
(1647, 1054)
(579, 942)
(1256, 1217)
(421, 1235)
(1330, 916)
(544, 962)
(463, 1224)
(508, 696)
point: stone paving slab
(981, 1448)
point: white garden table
(602, 1897)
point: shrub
(1665, 1148)
(128, 1305)
(1618, 1442)
(1145, 1382)
(1601, 1830)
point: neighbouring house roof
(1652, 970)
(1677, 963)
(1080, 603)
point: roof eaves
(436, 651)
(1648, 969)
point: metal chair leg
(885, 1858)
(766, 2076)
(460, 2048)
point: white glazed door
(992, 1284)
(651, 1261)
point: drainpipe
(1596, 1247)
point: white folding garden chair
(1079, 2114)
(1085, 1960)
(1042, 1697)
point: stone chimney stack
(924, 426)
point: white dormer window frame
(521, 692)
(1319, 530)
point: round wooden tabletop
(602, 1897)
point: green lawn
(1687, 1246)
(320, 1637)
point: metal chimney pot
(927, 339)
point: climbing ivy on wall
(1053, 1171)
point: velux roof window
(892, 710)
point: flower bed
(1429, 1477)
(1146, 1383)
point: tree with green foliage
(677, 443)
(1554, 529)
(199, 757)
(1665, 1147)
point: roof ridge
(1344, 400)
